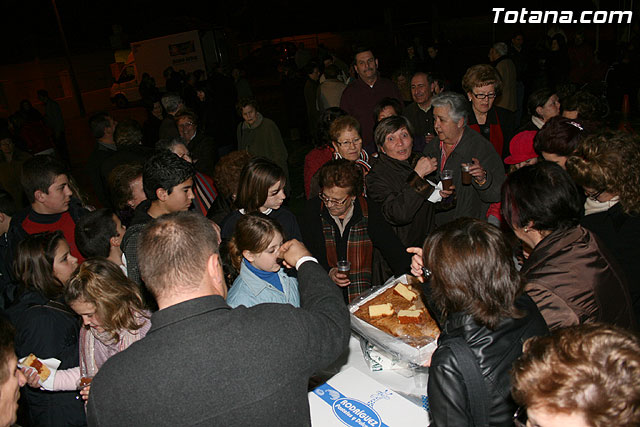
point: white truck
(182, 51)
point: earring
(526, 229)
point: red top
(495, 134)
(65, 224)
(313, 161)
(359, 100)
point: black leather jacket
(495, 352)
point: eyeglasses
(484, 95)
(185, 125)
(520, 417)
(327, 201)
(593, 195)
(354, 142)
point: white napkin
(52, 364)
(435, 197)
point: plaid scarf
(359, 250)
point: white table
(404, 385)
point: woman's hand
(84, 392)
(476, 170)
(32, 376)
(416, 262)
(425, 166)
(447, 193)
(339, 278)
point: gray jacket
(471, 200)
(204, 363)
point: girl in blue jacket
(255, 250)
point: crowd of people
(192, 294)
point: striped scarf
(359, 250)
(363, 161)
(204, 191)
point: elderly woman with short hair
(483, 84)
(341, 224)
(398, 182)
(459, 144)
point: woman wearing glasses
(346, 141)
(341, 224)
(607, 168)
(570, 274)
(482, 85)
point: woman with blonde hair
(113, 318)
(607, 166)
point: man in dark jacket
(203, 363)
(167, 181)
(128, 140)
(102, 127)
(361, 96)
(419, 112)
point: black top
(380, 233)
(94, 166)
(284, 216)
(48, 329)
(252, 365)
(495, 351)
(620, 233)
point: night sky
(29, 29)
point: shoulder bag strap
(474, 381)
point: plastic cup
(421, 378)
(344, 267)
(466, 176)
(447, 178)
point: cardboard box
(353, 399)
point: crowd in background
(504, 192)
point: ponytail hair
(253, 233)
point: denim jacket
(249, 290)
